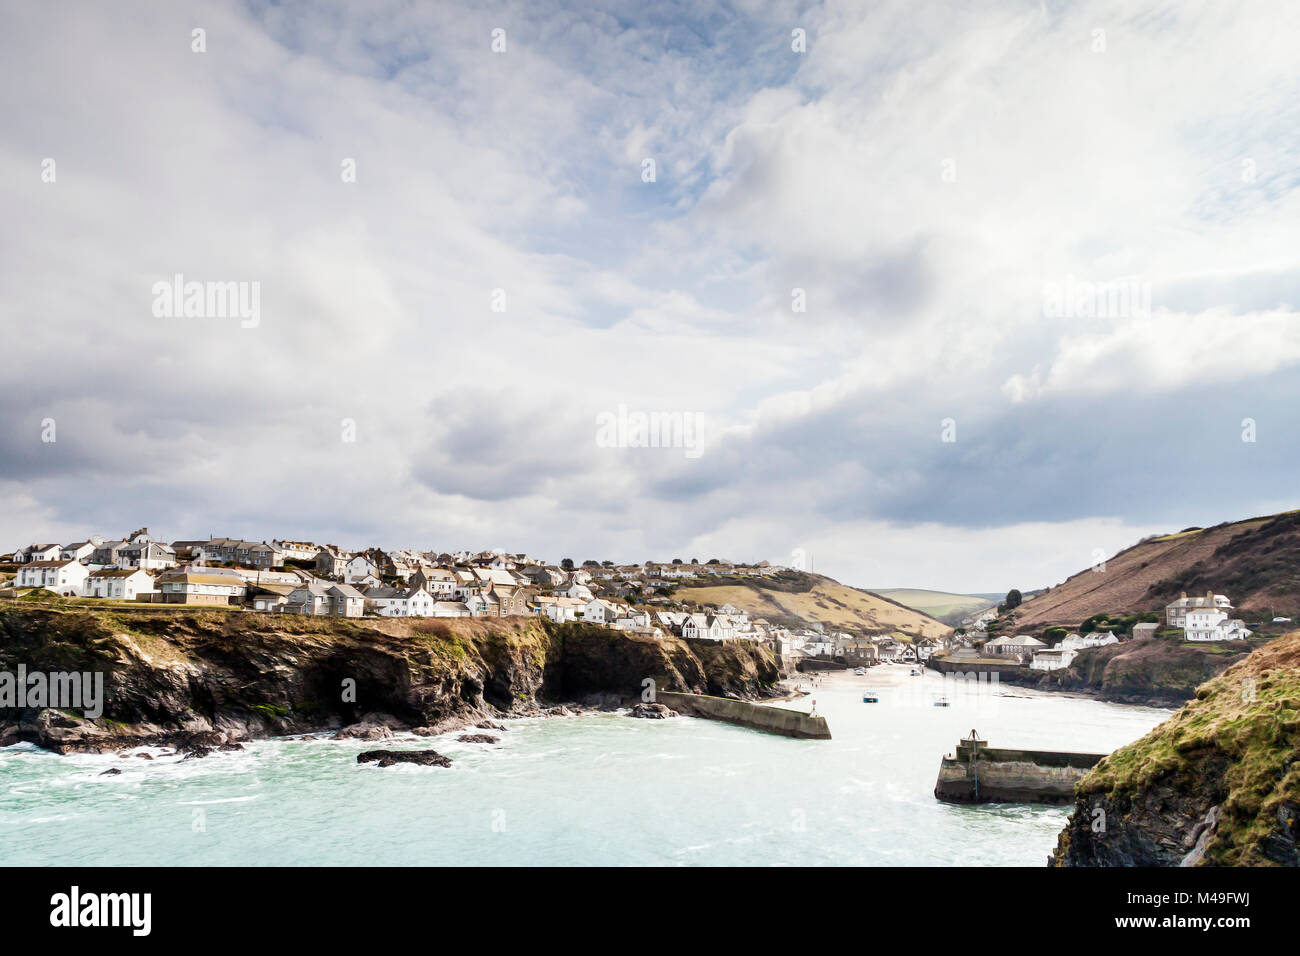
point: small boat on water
(860, 671)
(914, 673)
(942, 702)
(870, 697)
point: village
(298, 577)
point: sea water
(600, 788)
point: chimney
(1183, 596)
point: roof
(199, 577)
(116, 572)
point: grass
(1249, 715)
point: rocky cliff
(171, 674)
(1216, 784)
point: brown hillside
(794, 599)
(1255, 562)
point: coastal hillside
(1255, 562)
(176, 672)
(1151, 671)
(945, 606)
(798, 598)
(1218, 784)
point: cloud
(921, 174)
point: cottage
(62, 577)
(201, 586)
(1052, 658)
(359, 569)
(118, 584)
(38, 552)
(401, 602)
(322, 598)
(331, 562)
(1077, 642)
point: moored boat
(870, 697)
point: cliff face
(174, 673)
(1150, 671)
(1216, 784)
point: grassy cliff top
(1240, 738)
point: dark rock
(387, 758)
(110, 772)
(363, 732)
(652, 711)
(478, 739)
(489, 725)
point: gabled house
(400, 602)
(118, 584)
(62, 577)
(38, 552)
(200, 586)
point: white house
(1213, 624)
(1176, 612)
(62, 577)
(359, 569)
(1053, 658)
(1075, 642)
(401, 602)
(37, 552)
(118, 584)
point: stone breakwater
(978, 773)
(772, 720)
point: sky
(949, 295)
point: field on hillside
(941, 604)
(813, 598)
(1255, 562)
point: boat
(914, 673)
(870, 697)
(942, 702)
(860, 671)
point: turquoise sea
(594, 789)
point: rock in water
(387, 758)
(478, 739)
(652, 711)
(363, 732)
(110, 772)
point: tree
(1013, 600)
(590, 563)
(677, 560)
(567, 564)
(714, 561)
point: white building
(1176, 612)
(62, 577)
(1053, 658)
(403, 602)
(118, 584)
(1213, 624)
(1076, 642)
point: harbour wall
(772, 720)
(977, 773)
